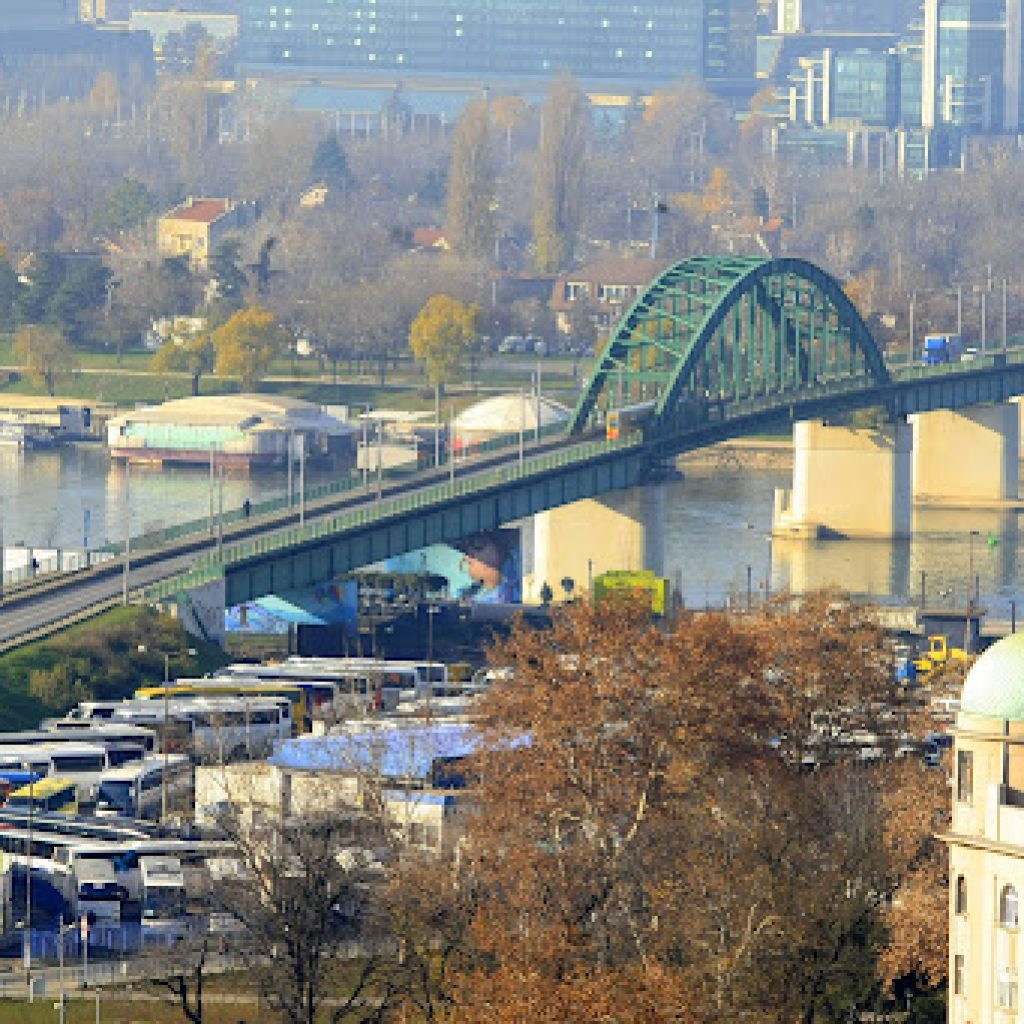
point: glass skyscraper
(971, 64)
(633, 43)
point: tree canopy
(469, 225)
(647, 843)
(441, 335)
(247, 343)
(44, 351)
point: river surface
(707, 528)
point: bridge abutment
(967, 457)
(621, 530)
(847, 482)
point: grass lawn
(19, 710)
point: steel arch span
(717, 330)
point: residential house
(606, 288)
(198, 226)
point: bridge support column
(201, 612)
(580, 541)
(967, 457)
(847, 482)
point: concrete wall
(847, 482)
(622, 530)
(971, 455)
(201, 611)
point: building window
(1008, 907)
(960, 898)
(965, 776)
(958, 974)
(1006, 989)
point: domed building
(986, 839)
(504, 415)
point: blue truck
(942, 348)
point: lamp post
(28, 878)
(167, 721)
(971, 586)
(127, 528)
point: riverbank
(741, 453)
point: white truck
(98, 893)
(163, 894)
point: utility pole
(28, 879)
(163, 741)
(536, 406)
(522, 429)
(211, 489)
(437, 425)
(960, 309)
(127, 529)
(380, 459)
(220, 513)
(291, 439)
(451, 444)
(302, 479)
(913, 297)
(1004, 315)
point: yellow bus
(47, 796)
(230, 688)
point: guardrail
(351, 481)
(211, 567)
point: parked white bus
(215, 729)
(82, 763)
(136, 791)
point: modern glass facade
(865, 88)
(616, 40)
(964, 57)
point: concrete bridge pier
(201, 612)
(968, 457)
(619, 530)
(847, 482)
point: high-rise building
(35, 15)
(633, 43)
(971, 64)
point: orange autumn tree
(645, 845)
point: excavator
(940, 652)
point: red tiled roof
(427, 237)
(204, 211)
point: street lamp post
(971, 586)
(28, 877)
(167, 722)
(127, 528)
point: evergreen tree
(330, 165)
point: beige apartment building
(198, 226)
(986, 841)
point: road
(50, 602)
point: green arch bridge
(713, 348)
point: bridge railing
(350, 481)
(211, 567)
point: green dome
(994, 687)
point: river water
(709, 527)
